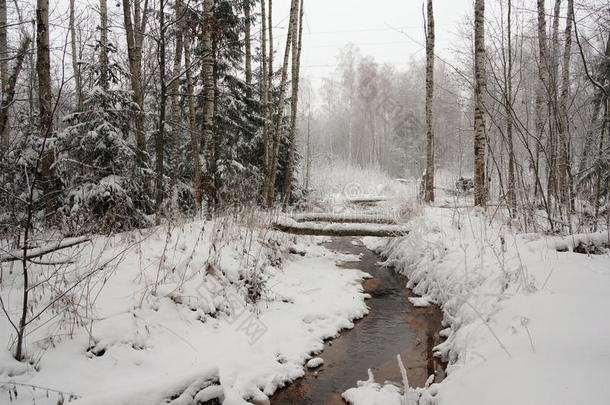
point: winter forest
(304, 202)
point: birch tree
(563, 130)
(174, 90)
(275, 148)
(8, 93)
(207, 76)
(194, 135)
(104, 44)
(264, 83)
(429, 176)
(480, 142)
(134, 32)
(8, 75)
(511, 192)
(78, 86)
(43, 72)
(4, 57)
(297, 43)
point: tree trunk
(160, 135)
(134, 36)
(270, 28)
(429, 177)
(194, 136)
(480, 186)
(297, 43)
(104, 44)
(511, 193)
(271, 175)
(552, 110)
(264, 87)
(8, 94)
(543, 82)
(43, 71)
(78, 87)
(4, 79)
(598, 102)
(248, 46)
(565, 172)
(269, 110)
(207, 75)
(174, 90)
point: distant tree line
(521, 108)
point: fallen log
(336, 229)
(366, 199)
(345, 218)
(17, 254)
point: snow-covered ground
(527, 321)
(204, 310)
(167, 315)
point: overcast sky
(371, 25)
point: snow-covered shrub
(20, 175)
(103, 206)
(97, 161)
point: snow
(525, 323)
(420, 302)
(315, 362)
(345, 217)
(371, 393)
(169, 318)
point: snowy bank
(176, 314)
(526, 315)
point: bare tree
(563, 127)
(276, 139)
(480, 141)
(160, 134)
(194, 136)
(551, 89)
(429, 176)
(511, 192)
(264, 83)
(247, 44)
(543, 76)
(297, 43)
(104, 44)
(4, 79)
(78, 87)
(207, 76)
(43, 71)
(268, 131)
(174, 89)
(8, 92)
(134, 31)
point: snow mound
(419, 302)
(315, 362)
(515, 308)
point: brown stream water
(393, 326)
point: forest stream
(393, 326)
